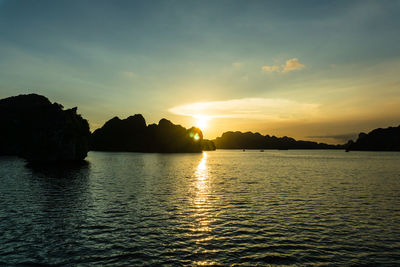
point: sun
(201, 122)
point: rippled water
(216, 208)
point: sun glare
(201, 122)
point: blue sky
(160, 58)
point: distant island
(387, 139)
(37, 130)
(249, 140)
(133, 135)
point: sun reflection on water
(202, 230)
(201, 170)
(201, 184)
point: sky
(312, 70)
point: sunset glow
(200, 133)
(201, 122)
(276, 68)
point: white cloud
(290, 65)
(249, 108)
(293, 64)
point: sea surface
(225, 207)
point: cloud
(293, 64)
(271, 68)
(248, 108)
(290, 65)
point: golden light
(201, 121)
(201, 171)
(203, 208)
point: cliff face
(387, 139)
(132, 134)
(36, 129)
(249, 140)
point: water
(216, 208)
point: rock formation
(249, 140)
(387, 139)
(208, 145)
(35, 129)
(132, 134)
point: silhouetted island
(208, 145)
(387, 139)
(133, 135)
(249, 140)
(34, 128)
(38, 130)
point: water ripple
(214, 209)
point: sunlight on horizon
(201, 121)
(273, 109)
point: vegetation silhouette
(387, 139)
(133, 135)
(37, 130)
(249, 140)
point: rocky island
(249, 140)
(38, 130)
(34, 128)
(387, 139)
(134, 135)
